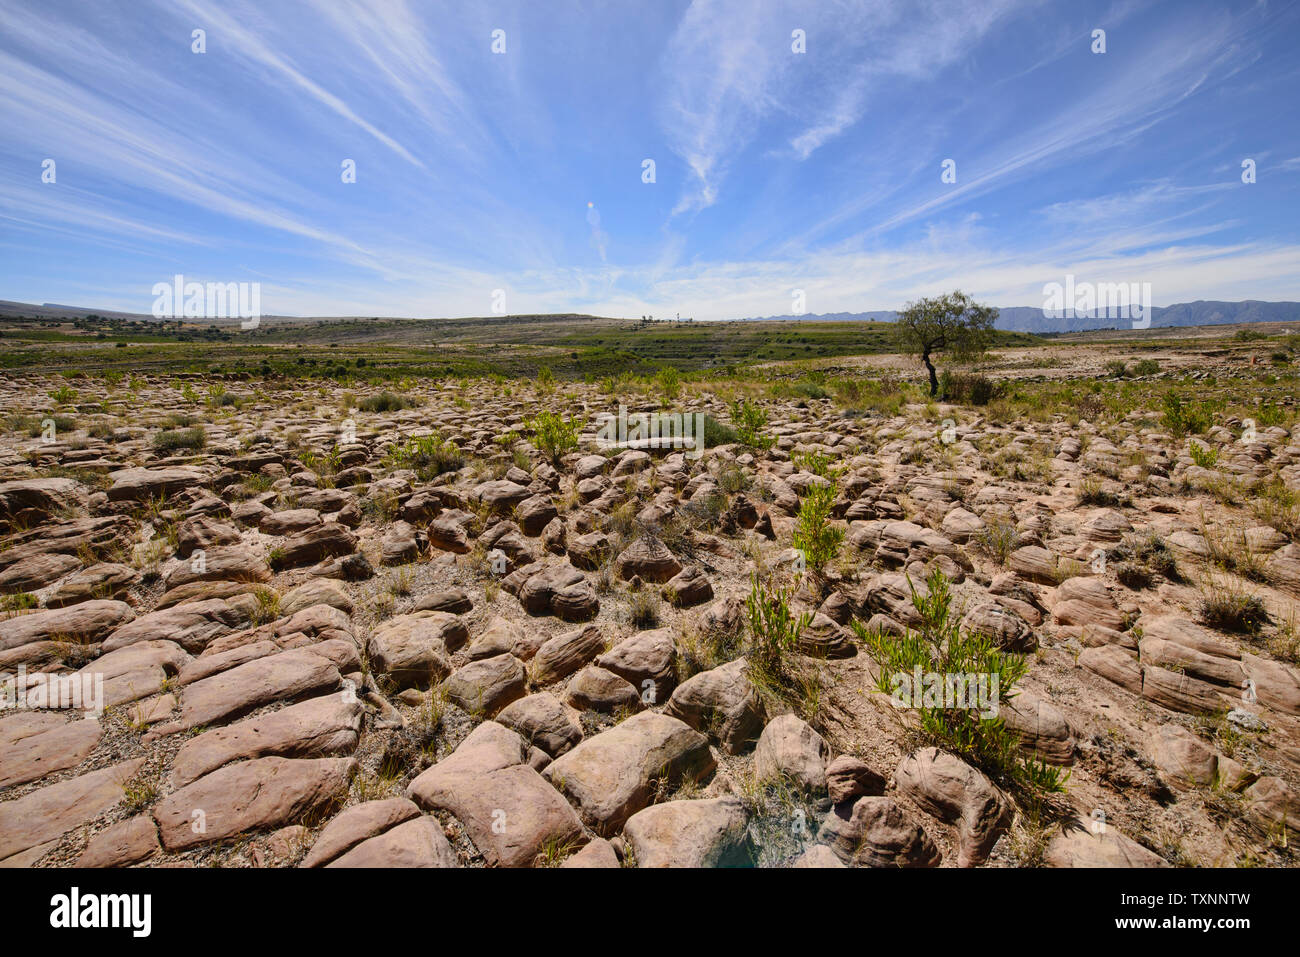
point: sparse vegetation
(814, 536)
(386, 402)
(554, 435)
(939, 646)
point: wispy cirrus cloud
(776, 170)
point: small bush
(733, 479)
(429, 456)
(998, 539)
(940, 647)
(643, 608)
(268, 606)
(1093, 492)
(62, 424)
(814, 536)
(139, 793)
(816, 463)
(1229, 609)
(386, 402)
(773, 640)
(176, 439)
(750, 420)
(809, 388)
(1142, 558)
(1146, 367)
(553, 435)
(1206, 456)
(715, 433)
(1181, 417)
(669, 381)
(969, 389)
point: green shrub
(218, 397)
(386, 402)
(1146, 367)
(175, 439)
(1205, 456)
(429, 456)
(1181, 417)
(773, 640)
(669, 381)
(715, 433)
(810, 387)
(814, 535)
(969, 388)
(940, 647)
(750, 419)
(553, 435)
(815, 462)
(1268, 414)
(998, 539)
(1228, 609)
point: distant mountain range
(1031, 318)
(1011, 318)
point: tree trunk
(934, 379)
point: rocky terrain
(342, 627)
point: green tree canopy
(953, 324)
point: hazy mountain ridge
(1031, 318)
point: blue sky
(522, 171)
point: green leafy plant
(669, 381)
(385, 402)
(817, 463)
(63, 394)
(938, 646)
(814, 535)
(998, 538)
(1206, 456)
(1182, 417)
(715, 433)
(773, 667)
(750, 419)
(174, 440)
(429, 456)
(217, 396)
(554, 435)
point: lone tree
(953, 324)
